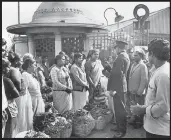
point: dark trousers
(120, 112)
(133, 99)
(149, 135)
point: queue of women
(24, 77)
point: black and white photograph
(79, 69)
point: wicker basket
(52, 135)
(55, 135)
(100, 124)
(108, 117)
(83, 130)
(66, 133)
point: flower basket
(56, 135)
(100, 124)
(109, 117)
(52, 131)
(83, 126)
(66, 133)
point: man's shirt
(157, 117)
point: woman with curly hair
(62, 85)
(33, 86)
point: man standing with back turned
(117, 85)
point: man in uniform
(117, 85)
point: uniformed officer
(117, 85)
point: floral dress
(62, 100)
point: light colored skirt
(79, 99)
(25, 114)
(38, 104)
(62, 101)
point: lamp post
(18, 12)
(117, 18)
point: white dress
(33, 87)
(25, 112)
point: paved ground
(106, 133)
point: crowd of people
(139, 89)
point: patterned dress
(94, 71)
(62, 100)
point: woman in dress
(93, 68)
(62, 85)
(80, 85)
(11, 93)
(33, 86)
(24, 103)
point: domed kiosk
(55, 26)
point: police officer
(117, 85)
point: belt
(58, 90)
(78, 90)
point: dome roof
(57, 15)
(55, 12)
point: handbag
(13, 109)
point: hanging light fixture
(117, 18)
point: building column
(58, 44)
(31, 47)
(86, 45)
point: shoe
(119, 135)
